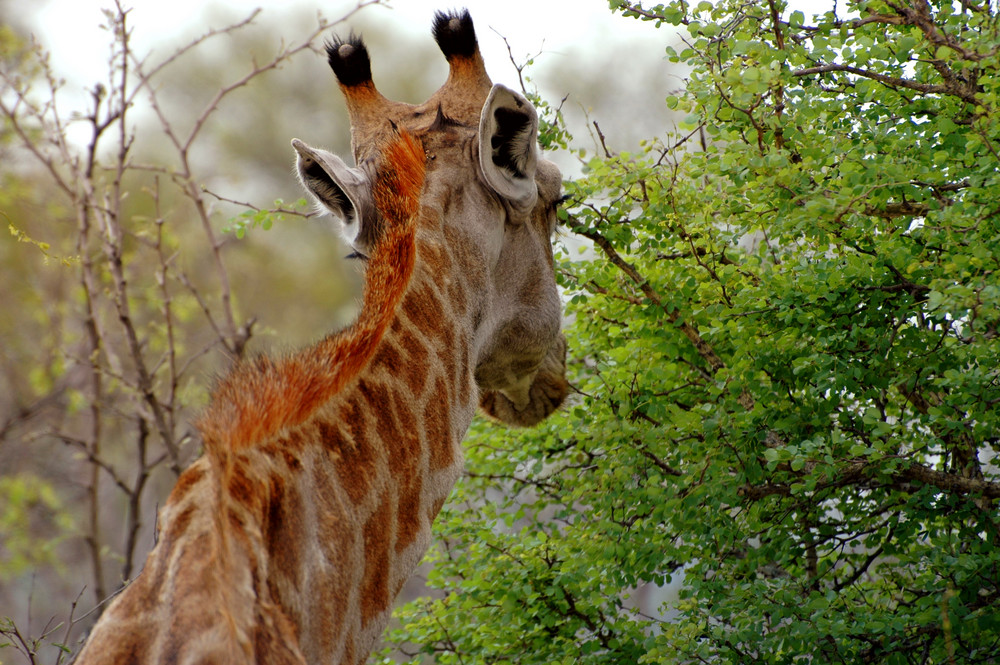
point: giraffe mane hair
(261, 396)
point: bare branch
(280, 210)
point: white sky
(579, 36)
(70, 28)
(583, 34)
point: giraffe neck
(352, 488)
(377, 463)
(294, 551)
(288, 541)
(336, 512)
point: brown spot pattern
(330, 436)
(437, 425)
(404, 411)
(294, 440)
(416, 368)
(184, 484)
(403, 446)
(291, 461)
(434, 256)
(241, 487)
(356, 463)
(389, 359)
(375, 583)
(423, 308)
(408, 520)
(283, 529)
(379, 401)
(179, 525)
(404, 464)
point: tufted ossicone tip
(461, 97)
(349, 60)
(370, 112)
(455, 34)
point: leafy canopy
(784, 344)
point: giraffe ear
(340, 190)
(508, 150)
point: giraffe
(288, 540)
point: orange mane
(263, 395)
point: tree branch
(892, 81)
(703, 348)
(860, 471)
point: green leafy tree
(785, 348)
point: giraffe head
(488, 205)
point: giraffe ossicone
(289, 539)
